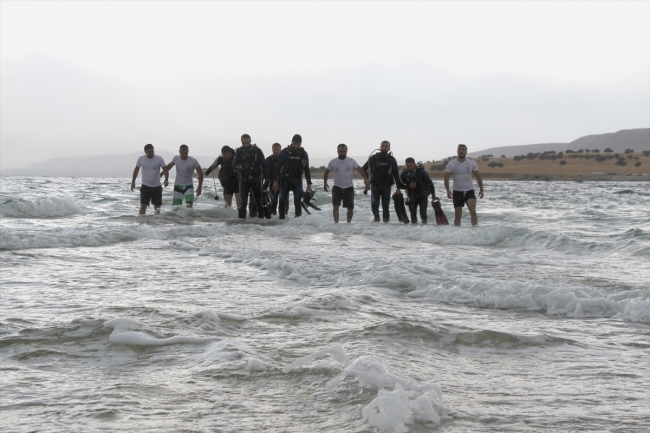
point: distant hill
(116, 165)
(635, 139)
(92, 166)
(122, 165)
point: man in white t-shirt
(461, 169)
(151, 189)
(184, 182)
(343, 189)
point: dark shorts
(151, 194)
(347, 195)
(230, 186)
(461, 197)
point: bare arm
(479, 181)
(169, 167)
(199, 171)
(365, 177)
(166, 173)
(447, 176)
(325, 176)
(136, 170)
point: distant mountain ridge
(636, 139)
(92, 166)
(122, 165)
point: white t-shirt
(151, 168)
(342, 169)
(185, 170)
(461, 173)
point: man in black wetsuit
(227, 176)
(383, 174)
(251, 168)
(271, 164)
(294, 161)
(418, 187)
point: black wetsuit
(383, 174)
(418, 195)
(293, 163)
(271, 164)
(251, 168)
(227, 176)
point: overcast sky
(92, 78)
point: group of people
(267, 182)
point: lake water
(192, 320)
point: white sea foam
(400, 401)
(132, 333)
(570, 301)
(393, 409)
(337, 352)
(235, 355)
(450, 282)
(79, 236)
(42, 208)
(91, 236)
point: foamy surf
(40, 208)
(194, 320)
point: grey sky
(87, 78)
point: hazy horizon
(83, 79)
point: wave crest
(43, 208)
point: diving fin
(441, 219)
(306, 201)
(400, 209)
(266, 204)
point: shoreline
(556, 177)
(499, 177)
(506, 177)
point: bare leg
(335, 213)
(471, 205)
(189, 204)
(228, 200)
(349, 215)
(458, 212)
(156, 208)
(143, 209)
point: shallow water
(192, 320)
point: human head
(384, 146)
(245, 140)
(461, 151)
(148, 150)
(342, 150)
(226, 152)
(296, 142)
(410, 164)
(183, 151)
(276, 148)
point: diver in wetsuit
(383, 174)
(418, 187)
(251, 169)
(227, 176)
(294, 161)
(271, 164)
